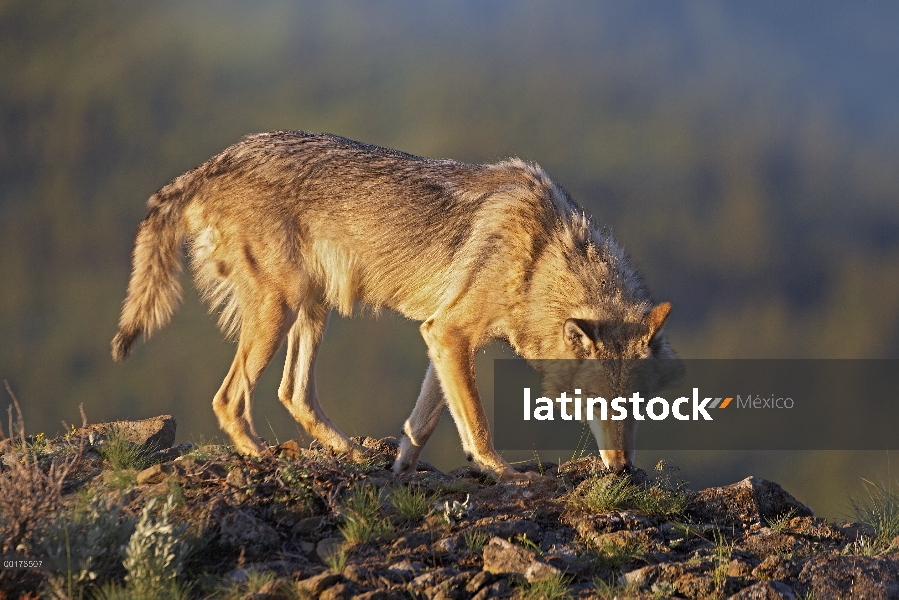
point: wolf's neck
(581, 274)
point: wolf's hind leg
(297, 390)
(262, 333)
(421, 423)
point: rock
(378, 478)
(480, 579)
(539, 570)
(241, 529)
(172, 453)
(752, 500)
(851, 577)
(307, 526)
(500, 589)
(289, 449)
(276, 589)
(766, 590)
(357, 574)
(11, 459)
(446, 545)
(341, 591)
(694, 585)
(505, 558)
(646, 539)
(637, 577)
(316, 584)
(237, 478)
(404, 567)
(328, 547)
(738, 568)
(380, 595)
(151, 475)
(767, 542)
(507, 528)
(855, 531)
(153, 434)
(776, 567)
(432, 578)
(611, 521)
(583, 468)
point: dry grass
(29, 494)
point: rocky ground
(117, 512)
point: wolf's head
(585, 303)
(613, 358)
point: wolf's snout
(615, 460)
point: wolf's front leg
(452, 357)
(421, 423)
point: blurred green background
(746, 155)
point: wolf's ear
(655, 318)
(576, 339)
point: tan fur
(284, 226)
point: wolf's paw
(248, 446)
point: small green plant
(410, 503)
(865, 546)
(475, 540)
(176, 493)
(525, 542)
(662, 590)
(206, 450)
(607, 493)
(336, 561)
(722, 556)
(113, 591)
(880, 511)
(611, 590)
(120, 479)
(361, 517)
(37, 445)
(123, 454)
(781, 523)
(256, 582)
(298, 481)
(554, 587)
(610, 492)
(155, 553)
(90, 538)
(583, 443)
(612, 555)
(667, 496)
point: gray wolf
(283, 227)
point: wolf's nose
(615, 460)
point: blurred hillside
(745, 154)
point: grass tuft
(662, 498)
(361, 517)
(123, 455)
(336, 561)
(880, 511)
(475, 540)
(551, 588)
(781, 523)
(410, 503)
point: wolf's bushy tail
(154, 290)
